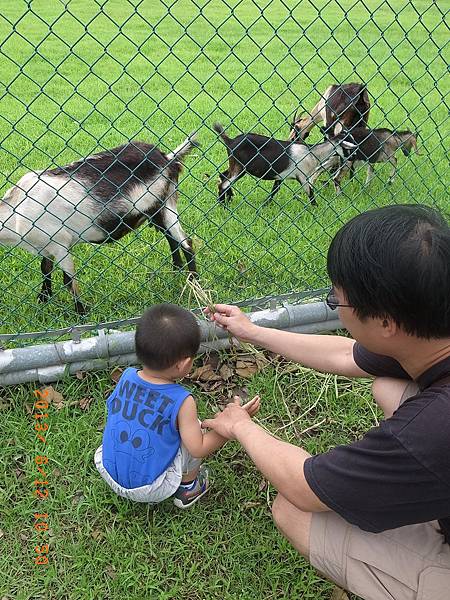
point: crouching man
(374, 515)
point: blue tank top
(141, 438)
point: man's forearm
(329, 353)
(281, 463)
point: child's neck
(157, 377)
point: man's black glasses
(332, 301)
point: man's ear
(388, 327)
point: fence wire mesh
(81, 77)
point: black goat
(276, 160)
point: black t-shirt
(399, 472)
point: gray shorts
(163, 487)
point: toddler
(153, 443)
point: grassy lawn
(102, 547)
(81, 76)
(99, 73)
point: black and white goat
(96, 199)
(342, 106)
(376, 146)
(276, 160)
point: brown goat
(342, 106)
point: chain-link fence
(81, 77)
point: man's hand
(233, 320)
(232, 415)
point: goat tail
(184, 148)
(221, 131)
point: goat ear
(338, 128)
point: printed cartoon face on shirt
(136, 444)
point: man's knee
(278, 511)
(292, 523)
(388, 393)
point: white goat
(97, 199)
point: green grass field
(80, 76)
(102, 547)
(100, 73)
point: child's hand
(252, 406)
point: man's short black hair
(395, 262)
(165, 334)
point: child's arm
(201, 444)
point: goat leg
(65, 263)
(370, 174)
(227, 179)
(352, 169)
(46, 269)
(166, 221)
(310, 192)
(225, 191)
(393, 162)
(72, 286)
(275, 188)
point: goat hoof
(44, 297)
(81, 309)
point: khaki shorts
(408, 563)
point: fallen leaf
(215, 385)
(80, 374)
(242, 267)
(261, 360)
(205, 373)
(262, 485)
(213, 359)
(247, 371)
(248, 505)
(29, 408)
(23, 537)
(97, 534)
(4, 405)
(116, 374)
(242, 363)
(54, 397)
(339, 594)
(111, 572)
(226, 372)
(77, 497)
(85, 403)
(56, 473)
